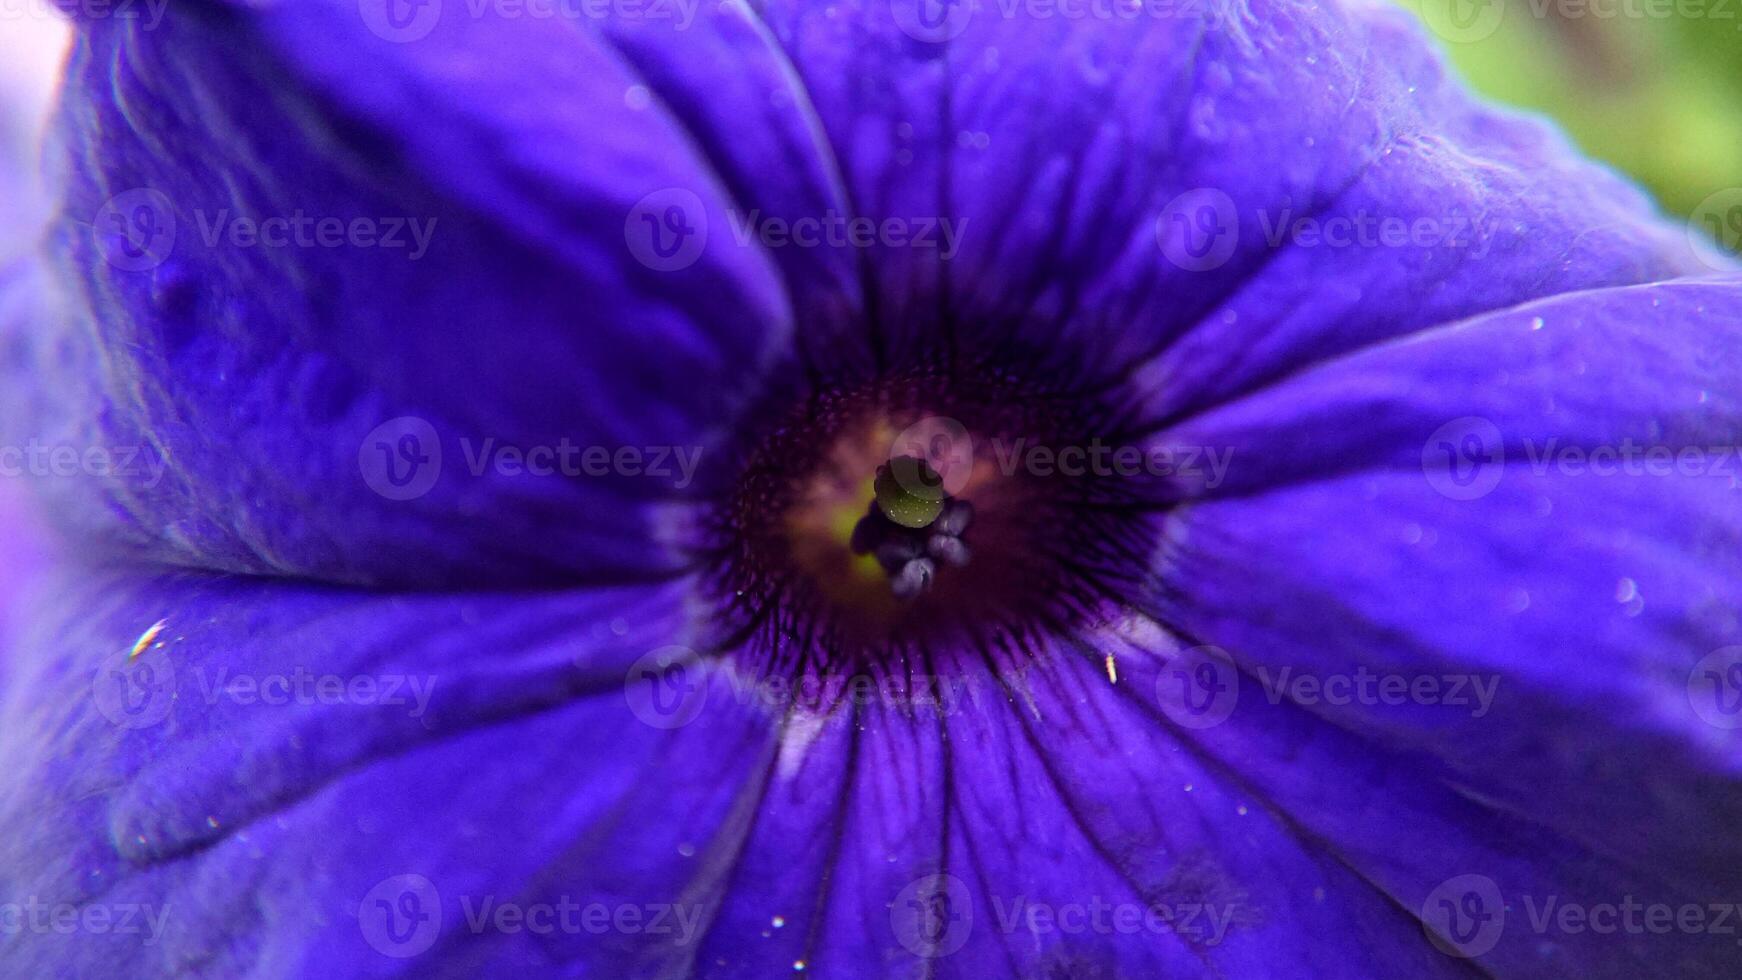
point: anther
(913, 526)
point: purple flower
(1308, 544)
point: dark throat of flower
(903, 525)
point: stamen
(910, 553)
(914, 578)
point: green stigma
(910, 492)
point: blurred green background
(1654, 87)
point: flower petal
(277, 757)
(1459, 509)
(1077, 155)
(222, 334)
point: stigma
(913, 526)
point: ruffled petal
(1199, 198)
(262, 773)
(334, 403)
(1533, 514)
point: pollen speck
(1112, 670)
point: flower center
(873, 522)
(912, 525)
